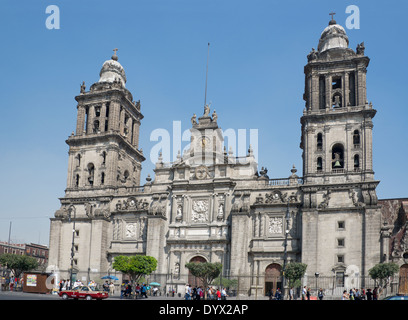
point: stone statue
(360, 48)
(194, 119)
(312, 55)
(83, 87)
(214, 116)
(206, 110)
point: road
(11, 295)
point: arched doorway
(273, 278)
(192, 280)
(403, 280)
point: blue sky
(255, 81)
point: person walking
(375, 293)
(144, 290)
(308, 294)
(304, 293)
(224, 294)
(278, 294)
(369, 294)
(291, 294)
(320, 294)
(218, 293)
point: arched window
(356, 138)
(319, 141)
(356, 161)
(126, 175)
(102, 178)
(104, 157)
(338, 156)
(91, 173)
(337, 101)
(78, 160)
(319, 164)
(77, 180)
(95, 126)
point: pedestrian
(111, 288)
(270, 293)
(304, 293)
(363, 294)
(375, 293)
(106, 286)
(308, 293)
(143, 289)
(320, 294)
(61, 285)
(369, 294)
(137, 290)
(186, 292)
(345, 295)
(128, 291)
(291, 293)
(218, 293)
(123, 290)
(224, 294)
(278, 294)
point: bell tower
(337, 120)
(340, 218)
(103, 151)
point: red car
(83, 292)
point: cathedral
(210, 206)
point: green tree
(294, 272)
(135, 266)
(18, 263)
(205, 271)
(383, 272)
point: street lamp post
(285, 253)
(70, 210)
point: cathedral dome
(333, 36)
(112, 71)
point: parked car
(396, 298)
(83, 292)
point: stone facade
(209, 205)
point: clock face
(204, 141)
(201, 172)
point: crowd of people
(355, 294)
(198, 293)
(140, 291)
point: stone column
(102, 118)
(80, 120)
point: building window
(336, 83)
(341, 225)
(322, 92)
(356, 138)
(356, 161)
(340, 242)
(338, 156)
(319, 141)
(319, 166)
(102, 178)
(340, 258)
(77, 180)
(96, 126)
(337, 101)
(91, 173)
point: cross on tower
(115, 57)
(332, 14)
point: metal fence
(242, 286)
